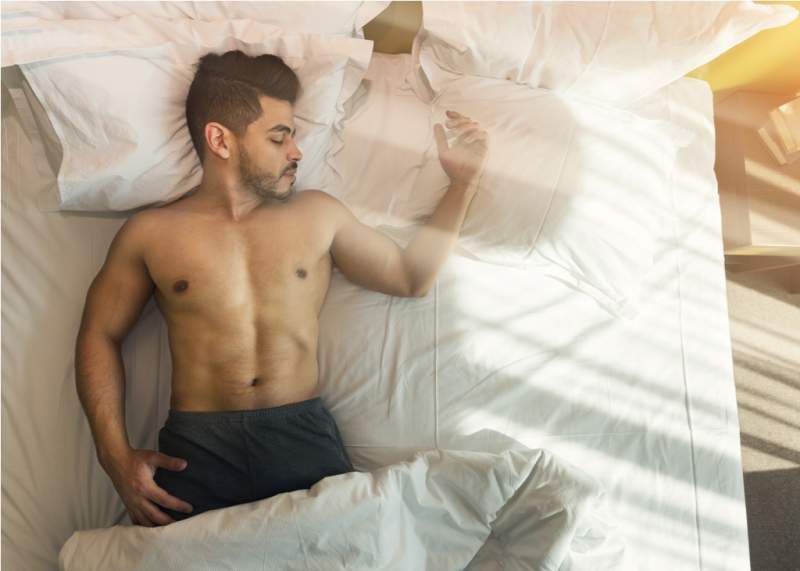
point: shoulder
(327, 203)
(153, 218)
(320, 197)
(137, 230)
(328, 210)
(146, 221)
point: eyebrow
(284, 129)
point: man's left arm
(372, 260)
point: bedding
(573, 187)
(494, 360)
(614, 52)
(330, 18)
(118, 111)
(435, 512)
(499, 357)
(375, 189)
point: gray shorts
(241, 456)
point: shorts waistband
(214, 416)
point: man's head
(240, 112)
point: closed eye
(276, 142)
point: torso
(241, 301)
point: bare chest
(264, 264)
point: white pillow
(571, 186)
(384, 135)
(343, 18)
(119, 113)
(616, 52)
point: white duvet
(442, 510)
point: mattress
(493, 358)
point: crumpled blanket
(442, 510)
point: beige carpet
(765, 331)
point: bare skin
(242, 329)
(240, 269)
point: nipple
(301, 273)
(180, 285)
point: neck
(226, 196)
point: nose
(294, 152)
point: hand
(464, 161)
(132, 475)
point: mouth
(292, 174)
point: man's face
(268, 154)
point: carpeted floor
(765, 331)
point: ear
(219, 140)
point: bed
(508, 419)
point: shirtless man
(240, 268)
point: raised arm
(370, 259)
(113, 304)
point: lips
(290, 173)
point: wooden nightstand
(760, 199)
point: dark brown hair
(226, 89)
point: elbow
(415, 284)
(88, 338)
(419, 291)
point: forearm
(100, 381)
(428, 251)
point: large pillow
(119, 112)
(616, 52)
(571, 186)
(343, 18)
(385, 133)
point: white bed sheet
(491, 359)
(496, 357)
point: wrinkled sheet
(436, 511)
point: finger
(451, 113)
(459, 121)
(477, 136)
(169, 462)
(463, 135)
(466, 130)
(441, 138)
(162, 498)
(456, 123)
(133, 518)
(143, 521)
(155, 515)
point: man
(240, 268)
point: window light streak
(772, 177)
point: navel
(301, 273)
(180, 286)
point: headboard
(394, 29)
